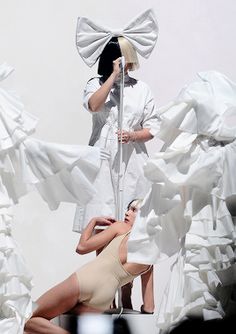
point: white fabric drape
(185, 211)
(58, 172)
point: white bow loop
(5, 70)
(91, 38)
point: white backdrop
(38, 39)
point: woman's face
(130, 214)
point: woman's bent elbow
(93, 107)
(80, 250)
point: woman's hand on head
(104, 221)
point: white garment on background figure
(139, 112)
(185, 212)
(59, 173)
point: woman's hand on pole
(126, 136)
(116, 67)
(142, 135)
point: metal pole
(120, 145)
(119, 208)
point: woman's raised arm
(89, 241)
(98, 99)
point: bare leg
(81, 309)
(126, 291)
(38, 325)
(60, 299)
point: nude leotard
(100, 278)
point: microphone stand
(119, 208)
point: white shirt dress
(139, 112)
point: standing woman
(102, 100)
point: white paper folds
(185, 212)
(59, 172)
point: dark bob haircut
(109, 54)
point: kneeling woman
(93, 287)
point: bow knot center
(117, 32)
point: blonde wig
(130, 54)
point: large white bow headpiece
(92, 38)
